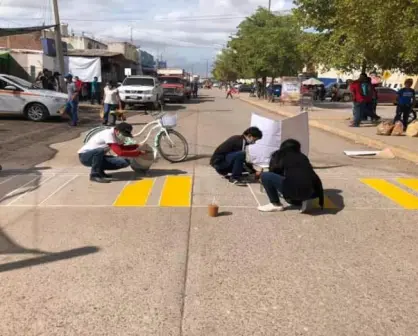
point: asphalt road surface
(140, 256)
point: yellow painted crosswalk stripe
(394, 193)
(135, 194)
(411, 183)
(328, 204)
(177, 191)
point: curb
(356, 138)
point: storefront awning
(22, 30)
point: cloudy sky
(186, 33)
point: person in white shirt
(111, 101)
(95, 153)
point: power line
(179, 19)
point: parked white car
(141, 90)
(18, 96)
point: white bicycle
(165, 134)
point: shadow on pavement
(225, 213)
(196, 157)
(34, 170)
(12, 188)
(48, 258)
(330, 167)
(9, 246)
(164, 172)
(335, 196)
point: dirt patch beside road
(24, 144)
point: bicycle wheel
(174, 147)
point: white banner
(274, 133)
(85, 68)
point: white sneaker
(306, 206)
(270, 208)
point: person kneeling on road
(229, 157)
(292, 175)
(94, 153)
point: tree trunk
(264, 81)
(364, 66)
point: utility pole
(58, 44)
(269, 5)
(207, 68)
(132, 39)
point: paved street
(140, 256)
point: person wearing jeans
(99, 161)
(94, 153)
(362, 95)
(71, 109)
(229, 156)
(405, 102)
(291, 176)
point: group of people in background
(365, 99)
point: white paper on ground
(361, 153)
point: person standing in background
(406, 102)
(111, 101)
(95, 91)
(71, 108)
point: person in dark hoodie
(229, 157)
(291, 175)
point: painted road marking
(177, 192)
(394, 193)
(328, 204)
(135, 194)
(411, 183)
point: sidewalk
(336, 121)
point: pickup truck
(175, 89)
(141, 90)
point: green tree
(267, 45)
(362, 34)
(224, 68)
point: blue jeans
(107, 108)
(72, 110)
(273, 185)
(359, 111)
(233, 163)
(99, 161)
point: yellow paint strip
(394, 193)
(411, 183)
(328, 204)
(177, 191)
(135, 194)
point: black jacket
(235, 143)
(301, 182)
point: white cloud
(198, 27)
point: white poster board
(274, 133)
(85, 68)
(260, 152)
(297, 128)
(128, 72)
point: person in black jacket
(290, 174)
(229, 157)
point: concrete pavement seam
(360, 139)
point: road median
(402, 147)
